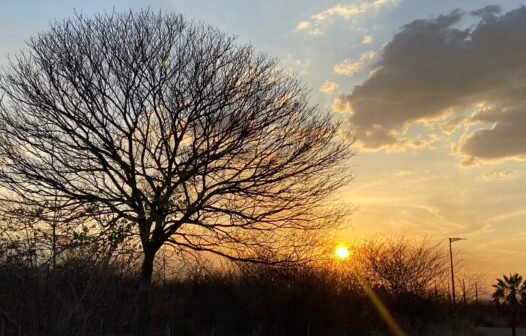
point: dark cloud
(434, 70)
(486, 11)
(505, 138)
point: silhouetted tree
(171, 126)
(30, 238)
(508, 295)
(403, 267)
(472, 285)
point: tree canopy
(172, 126)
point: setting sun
(341, 252)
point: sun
(341, 252)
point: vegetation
(85, 296)
(509, 297)
(168, 131)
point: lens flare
(342, 252)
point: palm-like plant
(510, 292)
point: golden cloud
(346, 12)
(328, 87)
(350, 67)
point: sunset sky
(433, 91)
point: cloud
(506, 138)
(367, 39)
(451, 125)
(350, 67)
(391, 142)
(499, 174)
(487, 11)
(341, 105)
(434, 72)
(303, 25)
(328, 87)
(295, 65)
(314, 25)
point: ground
(501, 331)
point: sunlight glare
(341, 252)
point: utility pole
(452, 240)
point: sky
(430, 91)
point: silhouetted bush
(92, 291)
(85, 297)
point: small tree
(508, 295)
(34, 238)
(173, 127)
(401, 266)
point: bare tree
(402, 266)
(172, 126)
(472, 284)
(34, 238)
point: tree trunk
(143, 298)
